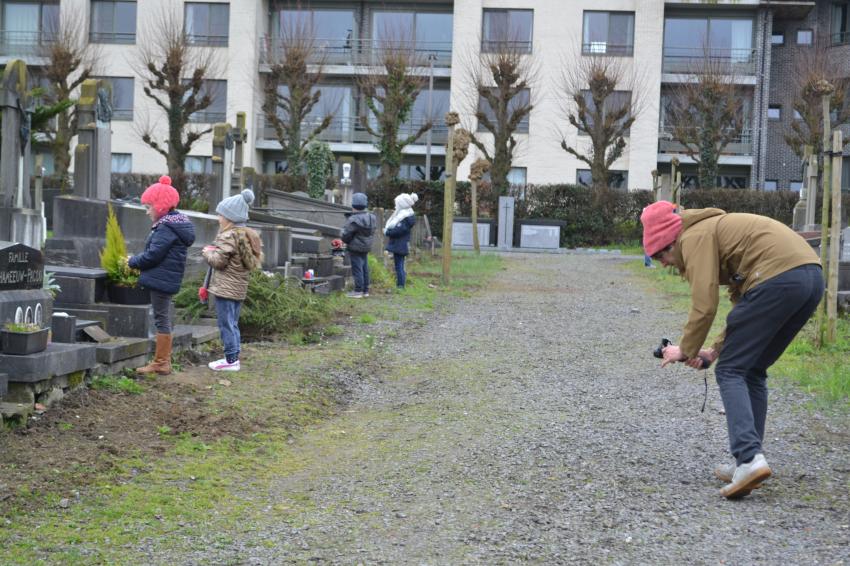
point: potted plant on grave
(23, 338)
(122, 282)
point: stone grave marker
(462, 234)
(540, 236)
(506, 222)
(22, 298)
(92, 156)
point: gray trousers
(758, 329)
(163, 311)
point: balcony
(693, 61)
(603, 48)
(350, 130)
(501, 45)
(360, 51)
(207, 40)
(24, 43)
(206, 117)
(741, 145)
(112, 37)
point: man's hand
(672, 354)
(708, 354)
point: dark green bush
(194, 188)
(778, 205)
(270, 308)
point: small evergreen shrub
(113, 257)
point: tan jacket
(230, 257)
(735, 249)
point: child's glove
(336, 244)
(203, 295)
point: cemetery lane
(532, 424)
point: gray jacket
(359, 231)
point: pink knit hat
(161, 196)
(661, 226)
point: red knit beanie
(661, 226)
(161, 196)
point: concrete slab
(122, 349)
(200, 333)
(4, 384)
(57, 359)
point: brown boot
(161, 363)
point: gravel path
(531, 424)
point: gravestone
(540, 236)
(221, 143)
(845, 247)
(462, 234)
(93, 154)
(22, 298)
(20, 220)
(506, 222)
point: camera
(659, 352)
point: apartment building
(656, 41)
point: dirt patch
(91, 430)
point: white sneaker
(725, 471)
(222, 365)
(354, 295)
(747, 477)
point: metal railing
(122, 114)
(24, 43)
(211, 117)
(690, 60)
(840, 38)
(360, 51)
(207, 40)
(498, 45)
(351, 130)
(605, 48)
(112, 37)
(741, 144)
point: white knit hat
(235, 208)
(405, 200)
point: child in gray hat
(235, 253)
(358, 233)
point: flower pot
(24, 343)
(128, 295)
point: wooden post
(824, 231)
(473, 189)
(834, 238)
(677, 190)
(379, 215)
(448, 203)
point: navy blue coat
(164, 260)
(399, 236)
(359, 231)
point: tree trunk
(62, 145)
(501, 166)
(473, 187)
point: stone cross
(222, 135)
(506, 222)
(93, 154)
(240, 134)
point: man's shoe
(746, 478)
(224, 365)
(724, 472)
(354, 295)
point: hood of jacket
(363, 218)
(697, 215)
(180, 224)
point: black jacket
(399, 236)
(163, 261)
(359, 231)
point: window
(840, 26)
(615, 101)
(518, 175)
(774, 112)
(122, 97)
(518, 101)
(608, 33)
(334, 31)
(217, 110)
(195, 164)
(507, 29)
(616, 179)
(771, 184)
(113, 22)
(430, 32)
(796, 186)
(804, 36)
(207, 23)
(689, 40)
(122, 162)
(777, 38)
(28, 24)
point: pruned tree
(501, 78)
(706, 114)
(389, 89)
(601, 102)
(174, 74)
(816, 72)
(71, 59)
(290, 91)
